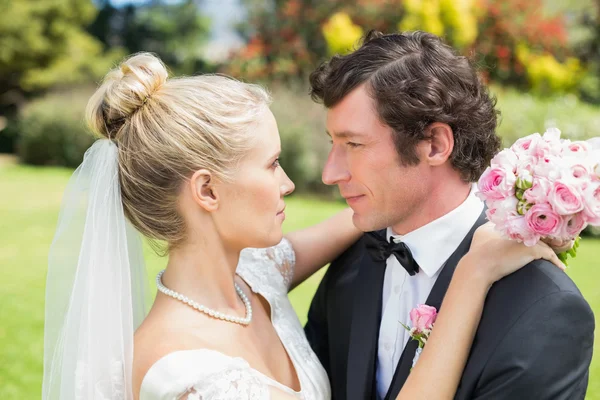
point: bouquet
(544, 188)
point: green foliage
(518, 42)
(52, 130)
(587, 48)
(341, 34)
(175, 31)
(292, 31)
(455, 20)
(524, 114)
(43, 43)
(304, 143)
(9, 133)
(547, 75)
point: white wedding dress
(204, 374)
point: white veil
(96, 290)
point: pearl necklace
(204, 309)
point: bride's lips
(281, 213)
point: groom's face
(365, 165)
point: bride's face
(251, 207)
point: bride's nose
(287, 186)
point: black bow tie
(380, 250)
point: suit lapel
(435, 300)
(364, 329)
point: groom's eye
(352, 144)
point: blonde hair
(166, 129)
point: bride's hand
(494, 256)
(559, 245)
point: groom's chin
(365, 223)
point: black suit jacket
(534, 341)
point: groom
(412, 128)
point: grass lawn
(29, 202)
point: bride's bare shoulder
(160, 333)
(149, 345)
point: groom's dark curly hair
(416, 79)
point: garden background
(541, 59)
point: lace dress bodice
(205, 374)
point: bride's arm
(445, 354)
(320, 244)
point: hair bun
(124, 91)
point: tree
(42, 44)
(285, 39)
(288, 38)
(588, 49)
(176, 32)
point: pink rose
(552, 135)
(506, 159)
(576, 149)
(554, 144)
(496, 183)
(594, 161)
(531, 146)
(575, 171)
(591, 200)
(574, 225)
(578, 171)
(527, 145)
(548, 167)
(423, 317)
(516, 228)
(543, 220)
(503, 209)
(490, 214)
(522, 145)
(538, 193)
(499, 210)
(594, 143)
(565, 198)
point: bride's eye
(275, 163)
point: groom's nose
(335, 170)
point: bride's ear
(203, 190)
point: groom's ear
(203, 190)
(440, 139)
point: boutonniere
(422, 319)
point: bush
(304, 143)
(9, 131)
(52, 131)
(524, 114)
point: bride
(193, 162)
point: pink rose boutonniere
(544, 188)
(422, 319)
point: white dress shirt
(431, 245)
